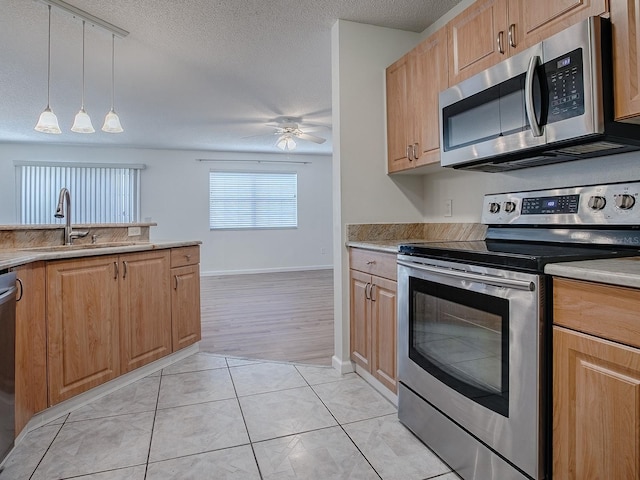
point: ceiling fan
(287, 132)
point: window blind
(99, 194)
(253, 200)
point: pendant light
(82, 122)
(286, 142)
(111, 121)
(48, 122)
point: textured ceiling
(192, 74)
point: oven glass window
(462, 338)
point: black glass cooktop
(526, 256)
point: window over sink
(101, 193)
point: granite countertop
(389, 246)
(13, 258)
(623, 272)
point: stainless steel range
(474, 324)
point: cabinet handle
(371, 262)
(409, 153)
(367, 295)
(512, 35)
(371, 290)
(499, 41)
(176, 278)
(115, 270)
(188, 257)
(416, 149)
(124, 274)
(21, 289)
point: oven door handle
(476, 277)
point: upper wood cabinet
(625, 17)
(491, 30)
(31, 343)
(413, 85)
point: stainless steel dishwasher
(7, 361)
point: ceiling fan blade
(310, 138)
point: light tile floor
(210, 417)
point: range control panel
(610, 204)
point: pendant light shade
(82, 122)
(112, 121)
(48, 122)
(286, 142)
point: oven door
(470, 344)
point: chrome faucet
(61, 212)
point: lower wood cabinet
(185, 296)
(145, 308)
(83, 324)
(596, 381)
(373, 314)
(31, 344)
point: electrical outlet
(448, 207)
(134, 231)
(323, 251)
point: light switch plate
(448, 208)
(134, 231)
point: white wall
(175, 195)
(362, 191)
(466, 189)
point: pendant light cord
(113, 75)
(49, 63)
(83, 22)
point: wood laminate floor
(271, 316)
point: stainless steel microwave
(550, 103)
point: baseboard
(342, 366)
(218, 273)
(371, 380)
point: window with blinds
(253, 200)
(104, 193)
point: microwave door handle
(536, 129)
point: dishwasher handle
(5, 295)
(475, 277)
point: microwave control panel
(610, 204)
(565, 84)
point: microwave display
(565, 86)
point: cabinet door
(185, 306)
(360, 326)
(473, 39)
(398, 116)
(625, 17)
(383, 327)
(145, 308)
(31, 343)
(596, 408)
(429, 76)
(532, 22)
(82, 325)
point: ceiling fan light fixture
(286, 142)
(48, 122)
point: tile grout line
(255, 459)
(339, 424)
(49, 447)
(153, 426)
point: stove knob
(625, 201)
(494, 207)
(597, 202)
(509, 206)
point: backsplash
(31, 236)
(415, 231)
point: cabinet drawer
(185, 256)
(375, 263)
(605, 311)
